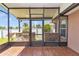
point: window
(63, 29)
(24, 29)
(13, 27)
(49, 29)
(3, 26)
(49, 26)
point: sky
(4, 18)
(13, 19)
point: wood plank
(38, 51)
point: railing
(51, 37)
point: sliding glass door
(51, 38)
(36, 32)
(33, 26)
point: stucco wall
(73, 31)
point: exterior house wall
(73, 31)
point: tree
(47, 27)
(38, 26)
(33, 25)
(2, 27)
(16, 27)
(11, 27)
(25, 27)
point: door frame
(36, 34)
(30, 20)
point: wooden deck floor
(38, 51)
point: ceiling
(35, 13)
(12, 5)
(25, 12)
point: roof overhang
(33, 13)
(72, 11)
(31, 5)
(21, 10)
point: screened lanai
(35, 25)
(43, 29)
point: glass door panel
(63, 29)
(51, 38)
(24, 31)
(36, 32)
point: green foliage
(33, 25)
(38, 26)
(16, 27)
(3, 40)
(25, 27)
(47, 27)
(2, 27)
(11, 27)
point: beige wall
(73, 31)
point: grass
(13, 39)
(3, 40)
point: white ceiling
(24, 13)
(32, 4)
(26, 5)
